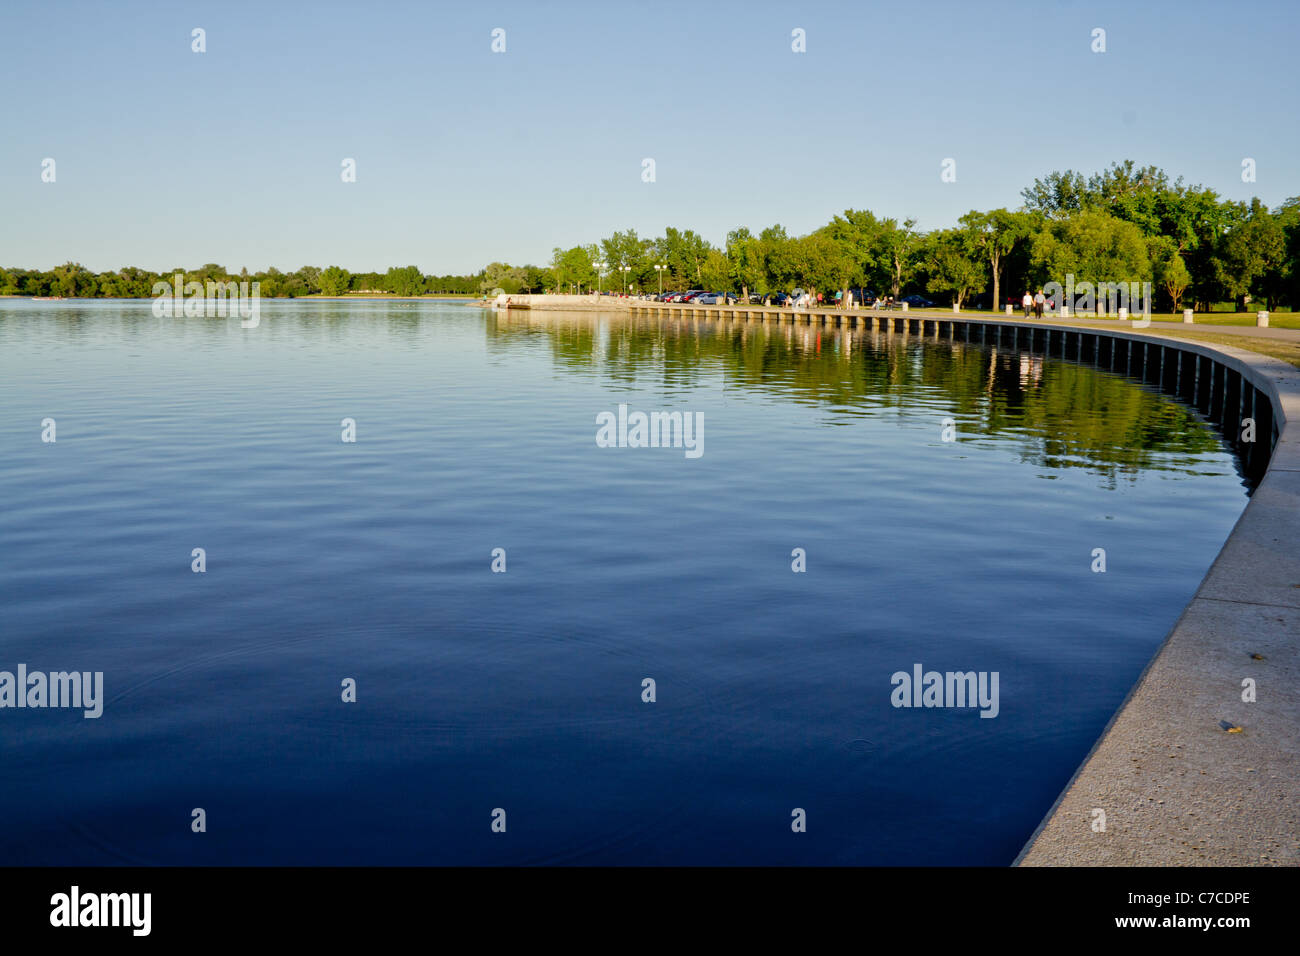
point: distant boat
(48, 298)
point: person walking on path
(1027, 303)
(1039, 301)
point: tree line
(72, 280)
(1125, 224)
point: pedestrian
(1027, 303)
(1039, 301)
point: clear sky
(166, 157)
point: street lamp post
(600, 271)
(625, 270)
(660, 271)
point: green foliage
(1250, 255)
(1173, 279)
(898, 245)
(572, 270)
(1092, 245)
(955, 263)
(407, 281)
(684, 253)
(499, 277)
(746, 262)
(995, 234)
(335, 281)
(858, 238)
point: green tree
(271, 283)
(406, 281)
(1252, 249)
(898, 244)
(537, 279)
(498, 275)
(955, 262)
(777, 268)
(1275, 284)
(628, 256)
(994, 234)
(334, 281)
(1093, 246)
(1057, 195)
(1289, 217)
(684, 252)
(73, 280)
(715, 273)
(1174, 279)
(573, 269)
(746, 260)
(858, 237)
(309, 279)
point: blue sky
(166, 157)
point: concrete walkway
(1292, 335)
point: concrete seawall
(562, 303)
(1175, 786)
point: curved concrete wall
(1167, 783)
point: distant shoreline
(115, 298)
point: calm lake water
(522, 690)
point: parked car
(691, 295)
(715, 298)
(780, 298)
(915, 301)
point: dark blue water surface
(476, 690)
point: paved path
(1292, 335)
